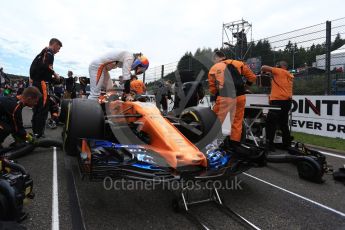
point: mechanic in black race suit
(11, 113)
(70, 86)
(41, 73)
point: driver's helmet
(140, 61)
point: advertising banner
(318, 115)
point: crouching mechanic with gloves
(99, 70)
(226, 83)
(11, 114)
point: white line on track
(332, 154)
(55, 202)
(297, 195)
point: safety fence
(315, 54)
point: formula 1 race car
(132, 139)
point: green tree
(263, 49)
(338, 42)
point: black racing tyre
(206, 121)
(63, 110)
(309, 169)
(85, 119)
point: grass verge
(328, 142)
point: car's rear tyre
(207, 122)
(85, 119)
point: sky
(162, 30)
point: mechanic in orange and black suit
(226, 83)
(41, 74)
(11, 113)
(281, 95)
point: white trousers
(99, 79)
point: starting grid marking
(297, 195)
(55, 200)
(332, 154)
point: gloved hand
(29, 138)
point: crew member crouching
(11, 121)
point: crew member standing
(281, 95)
(226, 83)
(70, 86)
(219, 56)
(41, 74)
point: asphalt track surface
(273, 197)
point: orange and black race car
(132, 139)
